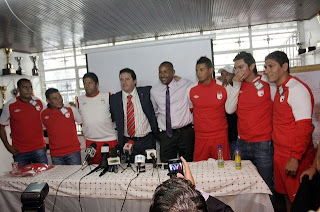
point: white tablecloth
(226, 183)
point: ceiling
(42, 25)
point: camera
(175, 166)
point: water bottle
(220, 157)
(237, 158)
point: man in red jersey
(210, 123)
(252, 102)
(59, 120)
(23, 115)
(292, 126)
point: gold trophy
(35, 70)
(3, 90)
(8, 68)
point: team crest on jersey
(103, 101)
(219, 95)
(196, 96)
(261, 92)
(281, 98)
(38, 108)
(17, 110)
(67, 115)
(46, 117)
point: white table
(243, 190)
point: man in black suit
(133, 113)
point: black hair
(130, 71)
(50, 91)
(205, 60)
(20, 81)
(248, 59)
(280, 57)
(91, 75)
(166, 63)
(177, 194)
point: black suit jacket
(116, 108)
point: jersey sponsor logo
(17, 110)
(103, 101)
(281, 98)
(46, 117)
(219, 95)
(196, 96)
(260, 93)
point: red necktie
(130, 117)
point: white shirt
(179, 104)
(96, 117)
(142, 125)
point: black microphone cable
(55, 198)
(125, 197)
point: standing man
(59, 120)
(133, 113)
(292, 126)
(253, 103)
(94, 109)
(23, 115)
(171, 105)
(210, 122)
(227, 74)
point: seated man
(179, 194)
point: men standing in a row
(23, 114)
(96, 118)
(133, 114)
(172, 109)
(210, 123)
(292, 126)
(59, 120)
(253, 104)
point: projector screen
(144, 59)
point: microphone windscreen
(114, 152)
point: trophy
(8, 68)
(3, 90)
(19, 70)
(35, 70)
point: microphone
(104, 155)
(140, 159)
(90, 152)
(113, 162)
(152, 154)
(128, 147)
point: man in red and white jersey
(210, 122)
(23, 115)
(59, 120)
(252, 101)
(292, 126)
(97, 125)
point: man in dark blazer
(143, 129)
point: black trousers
(182, 142)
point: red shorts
(205, 148)
(97, 157)
(288, 184)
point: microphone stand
(128, 163)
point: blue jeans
(71, 159)
(261, 155)
(36, 156)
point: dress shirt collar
(133, 93)
(171, 85)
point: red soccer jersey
(209, 110)
(292, 122)
(255, 111)
(25, 124)
(62, 133)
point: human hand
(186, 171)
(12, 149)
(238, 77)
(292, 166)
(176, 78)
(310, 172)
(72, 104)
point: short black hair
(50, 91)
(177, 194)
(91, 75)
(205, 60)
(247, 58)
(20, 81)
(280, 57)
(166, 63)
(130, 71)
